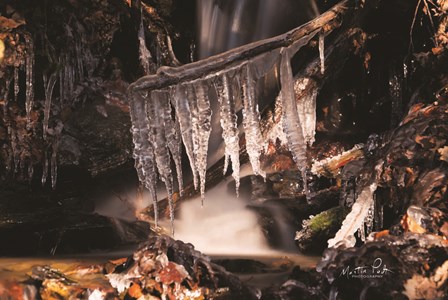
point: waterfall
(226, 24)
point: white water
(223, 225)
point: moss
(328, 218)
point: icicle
(49, 86)
(29, 74)
(204, 115)
(355, 219)
(79, 71)
(292, 124)
(45, 169)
(65, 82)
(173, 138)
(143, 149)
(16, 83)
(54, 155)
(145, 55)
(362, 232)
(322, 52)
(228, 120)
(184, 117)
(54, 165)
(157, 115)
(379, 221)
(251, 122)
(30, 171)
(14, 147)
(191, 97)
(306, 107)
(369, 219)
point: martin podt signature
(376, 270)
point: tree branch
(167, 76)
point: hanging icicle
(29, 74)
(144, 54)
(173, 137)
(16, 83)
(292, 124)
(49, 86)
(204, 128)
(157, 109)
(143, 148)
(184, 118)
(228, 120)
(251, 121)
(306, 88)
(322, 52)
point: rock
(281, 205)
(388, 263)
(319, 229)
(424, 220)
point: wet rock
(424, 220)
(281, 217)
(387, 264)
(319, 229)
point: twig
(411, 42)
(432, 22)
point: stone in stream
(318, 229)
(281, 205)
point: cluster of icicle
(158, 132)
(19, 154)
(75, 65)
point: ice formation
(322, 52)
(360, 217)
(228, 119)
(68, 69)
(157, 133)
(251, 121)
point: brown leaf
(8, 24)
(135, 291)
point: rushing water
(223, 25)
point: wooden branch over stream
(168, 76)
